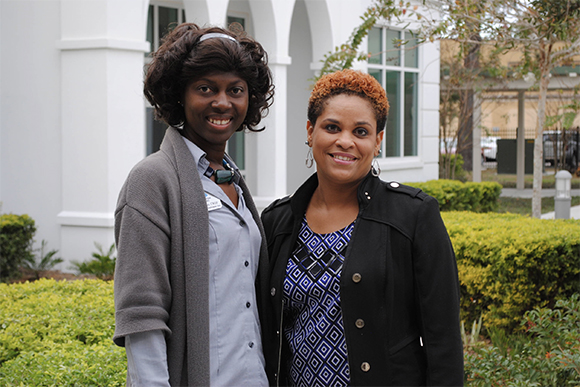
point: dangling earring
(309, 159)
(375, 168)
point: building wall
(30, 115)
(72, 114)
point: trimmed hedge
(509, 264)
(454, 195)
(16, 232)
(58, 333)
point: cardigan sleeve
(143, 237)
(142, 285)
(437, 288)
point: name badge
(212, 202)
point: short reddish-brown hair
(351, 82)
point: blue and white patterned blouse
(313, 323)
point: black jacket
(398, 287)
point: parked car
(557, 147)
(489, 148)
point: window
(396, 67)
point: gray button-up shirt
(236, 356)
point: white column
(272, 21)
(271, 159)
(103, 120)
(206, 12)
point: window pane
(411, 52)
(150, 29)
(392, 132)
(410, 114)
(377, 74)
(166, 17)
(233, 19)
(236, 149)
(375, 46)
(393, 53)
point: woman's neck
(332, 207)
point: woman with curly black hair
(191, 248)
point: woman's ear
(379, 141)
(309, 130)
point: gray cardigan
(162, 274)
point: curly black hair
(182, 58)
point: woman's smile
(343, 158)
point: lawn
(524, 206)
(509, 180)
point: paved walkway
(546, 192)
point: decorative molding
(280, 60)
(86, 219)
(103, 43)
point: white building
(73, 120)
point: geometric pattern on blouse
(313, 324)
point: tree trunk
(465, 133)
(539, 142)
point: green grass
(524, 206)
(509, 181)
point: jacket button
(273, 292)
(395, 184)
(359, 323)
(356, 277)
(365, 367)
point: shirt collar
(201, 161)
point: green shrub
(454, 195)
(546, 354)
(509, 264)
(102, 265)
(16, 233)
(60, 333)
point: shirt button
(273, 292)
(359, 323)
(246, 263)
(242, 223)
(248, 304)
(356, 277)
(251, 344)
(365, 367)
